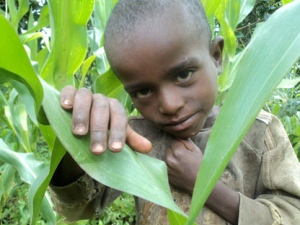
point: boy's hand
(98, 114)
(183, 160)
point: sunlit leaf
(258, 75)
(26, 164)
(14, 64)
(15, 13)
(68, 21)
(7, 178)
(288, 83)
(40, 185)
(107, 83)
(246, 8)
(149, 179)
(42, 22)
(85, 67)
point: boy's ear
(216, 49)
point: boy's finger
(67, 97)
(81, 111)
(99, 123)
(189, 144)
(118, 126)
(137, 142)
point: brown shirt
(264, 170)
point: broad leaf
(108, 84)
(85, 67)
(17, 14)
(28, 168)
(288, 83)
(246, 8)
(42, 22)
(7, 180)
(14, 64)
(40, 185)
(259, 70)
(127, 171)
(68, 21)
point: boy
(161, 50)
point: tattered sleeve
(82, 199)
(280, 176)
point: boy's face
(170, 74)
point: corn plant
(75, 50)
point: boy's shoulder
(265, 132)
(265, 117)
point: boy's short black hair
(128, 14)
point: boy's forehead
(158, 29)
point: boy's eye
(142, 93)
(184, 76)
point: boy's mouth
(181, 124)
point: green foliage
(284, 103)
(257, 74)
(121, 212)
(149, 180)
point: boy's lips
(181, 124)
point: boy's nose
(170, 101)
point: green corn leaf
(284, 2)
(15, 65)
(128, 171)
(85, 67)
(289, 83)
(107, 83)
(7, 180)
(15, 13)
(68, 21)
(176, 219)
(259, 72)
(28, 168)
(42, 22)
(17, 117)
(227, 21)
(210, 9)
(246, 8)
(40, 185)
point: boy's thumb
(137, 142)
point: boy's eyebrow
(182, 65)
(175, 69)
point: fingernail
(97, 149)
(79, 129)
(67, 102)
(117, 145)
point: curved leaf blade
(258, 75)
(29, 170)
(38, 188)
(68, 21)
(14, 63)
(127, 171)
